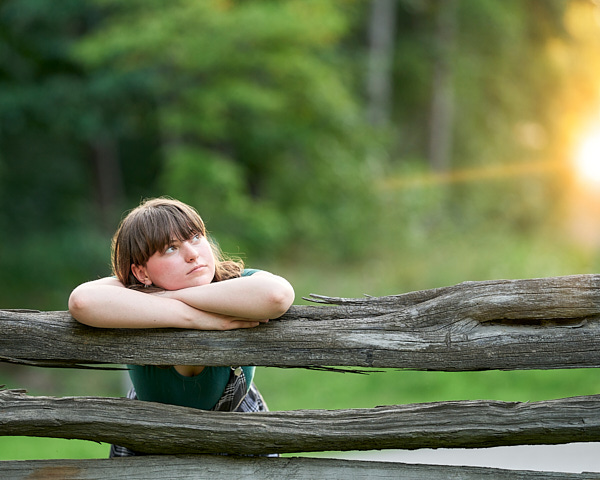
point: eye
(170, 249)
(196, 238)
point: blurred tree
(258, 126)
(469, 78)
(486, 61)
(255, 112)
(381, 39)
(441, 118)
(60, 126)
(36, 82)
(504, 74)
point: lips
(197, 268)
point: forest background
(353, 146)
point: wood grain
(210, 467)
(504, 324)
(157, 428)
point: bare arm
(258, 296)
(107, 303)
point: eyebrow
(176, 239)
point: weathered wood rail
(496, 325)
(210, 467)
(507, 324)
(156, 428)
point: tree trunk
(380, 63)
(109, 182)
(442, 95)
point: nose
(189, 252)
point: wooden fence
(507, 324)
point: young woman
(168, 274)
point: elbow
(76, 304)
(281, 298)
(79, 305)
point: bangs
(151, 228)
(155, 228)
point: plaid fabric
(234, 399)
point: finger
(243, 324)
(250, 320)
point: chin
(199, 282)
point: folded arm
(107, 303)
(258, 296)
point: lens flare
(587, 159)
(584, 197)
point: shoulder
(250, 271)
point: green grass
(290, 389)
(33, 448)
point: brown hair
(150, 227)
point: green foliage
(45, 266)
(501, 76)
(52, 112)
(251, 111)
(258, 125)
(488, 65)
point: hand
(202, 320)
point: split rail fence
(549, 323)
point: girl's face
(181, 264)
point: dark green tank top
(167, 385)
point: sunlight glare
(587, 161)
(584, 198)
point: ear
(140, 272)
